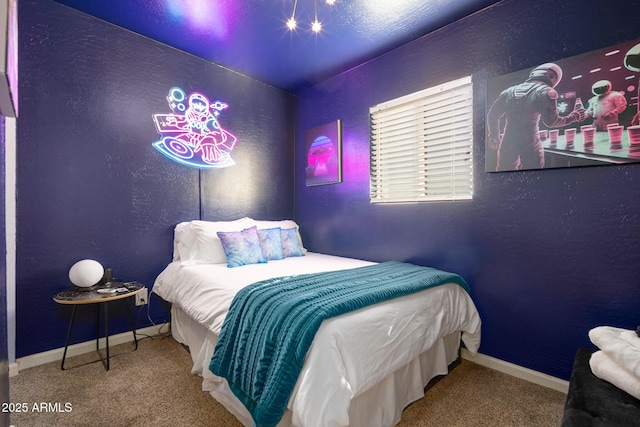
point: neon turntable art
(191, 134)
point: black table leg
(133, 327)
(106, 331)
(98, 328)
(66, 345)
(104, 360)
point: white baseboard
(13, 369)
(77, 349)
(89, 346)
(517, 371)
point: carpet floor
(153, 386)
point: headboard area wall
(90, 183)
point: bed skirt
(380, 405)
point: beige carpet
(153, 386)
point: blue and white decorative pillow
(271, 243)
(291, 243)
(242, 247)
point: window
(421, 145)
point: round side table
(100, 295)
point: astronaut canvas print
(577, 111)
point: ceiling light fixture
(316, 26)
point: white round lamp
(86, 273)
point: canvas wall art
(578, 111)
(324, 154)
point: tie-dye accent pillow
(290, 243)
(271, 243)
(242, 247)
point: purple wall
(90, 185)
(548, 254)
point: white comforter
(350, 353)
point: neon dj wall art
(191, 134)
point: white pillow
(197, 242)
(285, 223)
(180, 240)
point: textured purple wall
(90, 185)
(548, 254)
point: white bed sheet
(351, 354)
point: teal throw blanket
(271, 324)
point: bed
(362, 368)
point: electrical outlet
(142, 297)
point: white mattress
(352, 355)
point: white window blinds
(422, 144)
